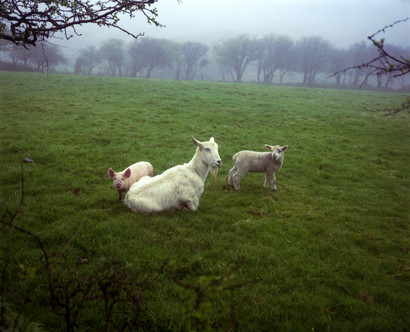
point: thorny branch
(108, 283)
(385, 63)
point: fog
(341, 22)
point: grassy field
(327, 251)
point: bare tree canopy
(30, 21)
(237, 54)
(386, 62)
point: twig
(384, 63)
(12, 224)
(389, 26)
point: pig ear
(111, 173)
(127, 173)
(283, 148)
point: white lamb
(257, 162)
(178, 187)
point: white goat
(178, 187)
(257, 162)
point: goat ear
(127, 173)
(197, 143)
(111, 173)
(268, 147)
(283, 148)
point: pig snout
(118, 185)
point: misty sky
(341, 22)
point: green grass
(327, 251)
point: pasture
(327, 251)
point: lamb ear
(268, 147)
(283, 148)
(212, 140)
(111, 173)
(197, 143)
(127, 173)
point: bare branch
(389, 26)
(385, 63)
(12, 225)
(30, 21)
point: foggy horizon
(342, 22)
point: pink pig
(122, 181)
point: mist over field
(341, 22)
(287, 42)
(332, 35)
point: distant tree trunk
(282, 74)
(356, 77)
(379, 80)
(338, 79)
(259, 72)
(178, 71)
(113, 69)
(268, 76)
(149, 72)
(389, 80)
(222, 71)
(305, 77)
(238, 76)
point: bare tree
(88, 59)
(19, 54)
(40, 58)
(193, 56)
(273, 53)
(47, 56)
(148, 53)
(30, 21)
(267, 63)
(313, 55)
(236, 54)
(338, 59)
(358, 53)
(113, 52)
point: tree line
(272, 59)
